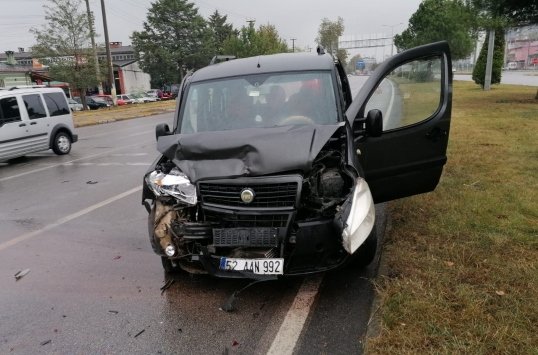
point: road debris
(114, 312)
(500, 293)
(19, 275)
(91, 182)
(45, 342)
(140, 332)
(167, 285)
(117, 257)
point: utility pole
(392, 37)
(92, 35)
(109, 56)
(489, 61)
(293, 44)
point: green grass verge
(461, 263)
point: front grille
(266, 195)
(247, 220)
(245, 237)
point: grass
(460, 265)
(118, 113)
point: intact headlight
(175, 184)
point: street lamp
(392, 36)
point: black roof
(282, 62)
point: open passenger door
(413, 91)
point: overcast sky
(298, 19)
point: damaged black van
(272, 168)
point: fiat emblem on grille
(247, 195)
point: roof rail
(27, 87)
(221, 58)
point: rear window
(9, 110)
(56, 103)
(34, 106)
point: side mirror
(162, 129)
(374, 123)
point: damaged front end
(221, 209)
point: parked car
(35, 119)
(74, 106)
(95, 103)
(126, 98)
(155, 93)
(143, 98)
(273, 169)
(120, 101)
(107, 98)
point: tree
(175, 38)
(220, 32)
(63, 44)
(328, 34)
(479, 71)
(437, 20)
(499, 14)
(251, 42)
(350, 67)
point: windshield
(260, 101)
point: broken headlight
(174, 184)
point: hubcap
(63, 143)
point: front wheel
(62, 143)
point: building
(128, 76)
(521, 50)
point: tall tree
(251, 41)
(175, 38)
(220, 31)
(64, 45)
(437, 20)
(500, 14)
(328, 34)
(479, 71)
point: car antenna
(320, 50)
(258, 62)
(228, 306)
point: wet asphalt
(94, 284)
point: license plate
(257, 266)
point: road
(77, 224)
(527, 78)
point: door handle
(33, 123)
(22, 125)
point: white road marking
(67, 218)
(70, 162)
(391, 101)
(290, 329)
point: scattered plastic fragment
(91, 182)
(235, 343)
(112, 311)
(45, 342)
(167, 285)
(19, 275)
(500, 293)
(116, 257)
(140, 332)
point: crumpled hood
(246, 152)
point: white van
(34, 119)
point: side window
(56, 104)
(9, 110)
(34, 106)
(409, 94)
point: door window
(409, 94)
(9, 110)
(34, 106)
(56, 104)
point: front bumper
(307, 246)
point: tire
(62, 143)
(366, 252)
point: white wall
(135, 80)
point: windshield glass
(260, 101)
